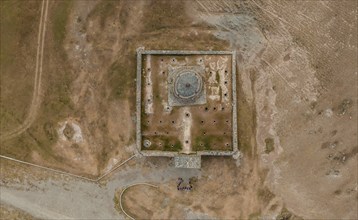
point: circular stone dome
(187, 84)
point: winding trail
(119, 164)
(120, 197)
(36, 96)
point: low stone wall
(157, 153)
(215, 153)
(184, 52)
(234, 103)
(141, 51)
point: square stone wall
(164, 99)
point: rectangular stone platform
(187, 161)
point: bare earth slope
(297, 116)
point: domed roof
(187, 84)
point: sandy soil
(13, 213)
(297, 80)
(36, 96)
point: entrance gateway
(186, 105)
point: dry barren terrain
(67, 102)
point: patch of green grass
(206, 142)
(202, 143)
(18, 35)
(50, 131)
(265, 195)
(116, 201)
(246, 120)
(56, 104)
(143, 122)
(284, 215)
(270, 145)
(168, 143)
(18, 20)
(165, 14)
(7, 118)
(162, 21)
(104, 10)
(58, 101)
(245, 124)
(121, 80)
(287, 215)
(255, 216)
(176, 146)
(217, 77)
(10, 212)
(344, 106)
(55, 107)
(60, 19)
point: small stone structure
(187, 161)
(175, 89)
(185, 86)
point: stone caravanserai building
(186, 105)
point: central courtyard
(186, 103)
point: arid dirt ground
(67, 102)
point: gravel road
(76, 199)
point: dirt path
(186, 126)
(149, 88)
(121, 195)
(35, 210)
(36, 99)
(78, 199)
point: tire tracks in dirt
(121, 195)
(36, 97)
